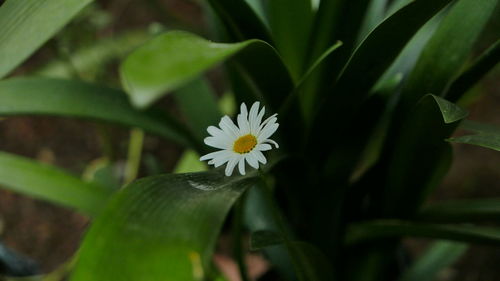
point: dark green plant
(365, 92)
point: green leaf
(386, 40)
(159, 227)
(437, 257)
(477, 70)
(478, 127)
(52, 184)
(240, 20)
(198, 103)
(264, 238)
(26, 24)
(290, 29)
(175, 58)
(469, 210)
(446, 51)
(420, 156)
(485, 140)
(39, 96)
(381, 229)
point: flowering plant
(365, 93)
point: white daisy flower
(241, 143)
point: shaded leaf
(52, 184)
(380, 229)
(24, 27)
(473, 74)
(264, 238)
(466, 210)
(437, 257)
(159, 226)
(39, 96)
(490, 141)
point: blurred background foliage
(91, 48)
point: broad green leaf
(450, 112)
(26, 24)
(52, 184)
(478, 127)
(40, 96)
(197, 101)
(469, 77)
(447, 50)
(290, 28)
(175, 58)
(374, 15)
(490, 141)
(466, 210)
(240, 20)
(380, 229)
(160, 227)
(437, 257)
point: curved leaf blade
(490, 141)
(52, 184)
(40, 96)
(159, 227)
(175, 58)
(380, 229)
(25, 26)
(461, 211)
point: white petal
(252, 161)
(243, 110)
(243, 124)
(271, 141)
(227, 125)
(260, 157)
(212, 155)
(241, 166)
(263, 147)
(230, 165)
(215, 132)
(267, 131)
(256, 125)
(218, 142)
(222, 158)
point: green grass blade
(41, 96)
(447, 50)
(175, 58)
(381, 229)
(440, 255)
(469, 210)
(160, 227)
(290, 28)
(49, 183)
(469, 77)
(26, 24)
(240, 20)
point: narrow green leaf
(375, 14)
(159, 227)
(490, 141)
(469, 77)
(241, 21)
(290, 28)
(380, 229)
(478, 127)
(52, 184)
(26, 24)
(440, 255)
(450, 112)
(446, 51)
(198, 103)
(175, 58)
(40, 96)
(386, 40)
(420, 156)
(461, 211)
(264, 238)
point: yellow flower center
(245, 144)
